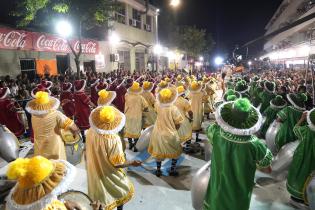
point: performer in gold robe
(135, 104)
(106, 97)
(196, 97)
(185, 130)
(164, 141)
(107, 182)
(149, 117)
(47, 123)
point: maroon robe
(67, 103)
(10, 117)
(82, 110)
(119, 101)
(94, 94)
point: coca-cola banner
(23, 40)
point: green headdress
(297, 100)
(231, 92)
(270, 87)
(241, 87)
(278, 102)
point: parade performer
(255, 98)
(39, 183)
(66, 99)
(185, 130)
(270, 114)
(164, 140)
(107, 182)
(206, 102)
(288, 117)
(267, 95)
(47, 123)
(150, 115)
(242, 88)
(46, 84)
(94, 96)
(196, 97)
(303, 164)
(232, 173)
(120, 89)
(39, 88)
(163, 84)
(253, 86)
(82, 106)
(106, 97)
(134, 107)
(8, 113)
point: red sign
(23, 40)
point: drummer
(232, 173)
(288, 117)
(9, 115)
(303, 164)
(47, 123)
(107, 182)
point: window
(28, 66)
(120, 15)
(148, 25)
(136, 19)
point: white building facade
(291, 48)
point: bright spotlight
(218, 60)
(64, 28)
(249, 63)
(158, 49)
(175, 3)
(114, 39)
(201, 58)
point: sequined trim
(163, 156)
(266, 161)
(122, 200)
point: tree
(84, 14)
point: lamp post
(175, 3)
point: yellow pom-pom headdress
(107, 120)
(181, 90)
(103, 93)
(42, 104)
(195, 86)
(37, 179)
(106, 97)
(163, 84)
(168, 80)
(167, 96)
(135, 88)
(147, 86)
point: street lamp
(114, 39)
(158, 49)
(201, 58)
(218, 60)
(249, 63)
(64, 28)
(175, 3)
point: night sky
(230, 21)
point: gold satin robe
(164, 141)
(185, 130)
(106, 183)
(134, 106)
(150, 116)
(196, 101)
(47, 138)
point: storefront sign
(24, 40)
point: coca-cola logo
(89, 47)
(13, 39)
(52, 44)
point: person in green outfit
(236, 155)
(267, 95)
(303, 164)
(270, 114)
(255, 99)
(242, 88)
(289, 116)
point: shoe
(173, 173)
(188, 150)
(158, 173)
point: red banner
(23, 40)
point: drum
(271, 136)
(80, 198)
(199, 186)
(144, 139)
(310, 191)
(9, 149)
(23, 118)
(283, 160)
(5, 187)
(74, 146)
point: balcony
(135, 23)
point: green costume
(242, 88)
(267, 95)
(289, 116)
(236, 155)
(303, 163)
(255, 99)
(270, 113)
